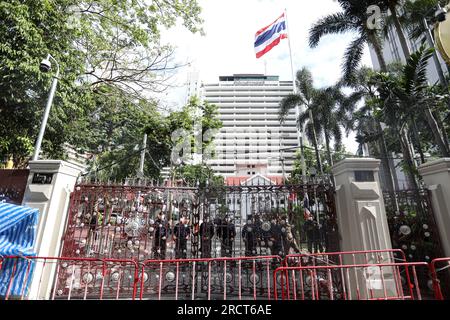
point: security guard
(160, 233)
(206, 234)
(227, 235)
(181, 234)
(250, 237)
(311, 228)
(276, 238)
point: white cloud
(227, 47)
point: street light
(46, 66)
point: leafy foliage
(109, 52)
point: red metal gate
(124, 222)
(220, 278)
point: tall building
(252, 140)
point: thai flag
(270, 36)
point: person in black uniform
(160, 233)
(206, 234)
(250, 237)
(276, 237)
(227, 235)
(312, 231)
(181, 234)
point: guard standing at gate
(250, 237)
(276, 238)
(181, 234)
(311, 228)
(206, 234)
(160, 228)
(227, 235)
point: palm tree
(394, 20)
(353, 18)
(415, 92)
(368, 129)
(330, 114)
(407, 96)
(305, 97)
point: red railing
(345, 257)
(74, 278)
(264, 277)
(216, 278)
(440, 270)
(383, 281)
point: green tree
(331, 113)
(413, 13)
(97, 43)
(305, 97)
(393, 19)
(119, 126)
(352, 18)
(200, 174)
(407, 96)
(368, 127)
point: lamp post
(46, 66)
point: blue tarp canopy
(17, 237)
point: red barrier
(383, 281)
(218, 278)
(318, 277)
(74, 278)
(346, 257)
(440, 269)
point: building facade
(252, 140)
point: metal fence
(221, 278)
(143, 222)
(302, 277)
(413, 229)
(13, 184)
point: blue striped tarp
(17, 236)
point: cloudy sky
(227, 47)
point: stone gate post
(49, 186)
(362, 222)
(436, 176)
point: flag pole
(299, 108)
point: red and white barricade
(382, 281)
(72, 278)
(346, 257)
(209, 279)
(440, 270)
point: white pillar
(436, 176)
(362, 221)
(49, 186)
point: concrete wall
(362, 224)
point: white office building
(252, 140)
